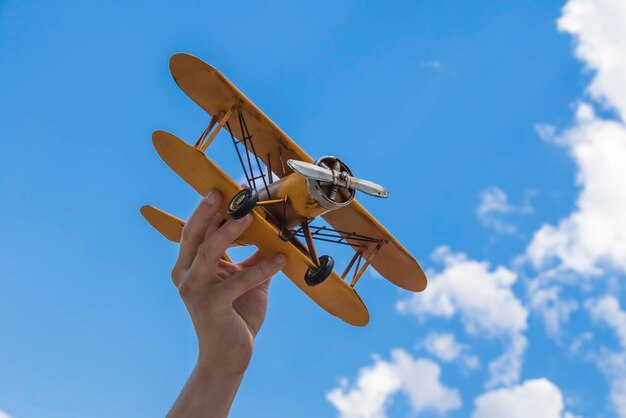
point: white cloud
(580, 341)
(4, 415)
(607, 309)
(537, 398)
(418, 379)
(493, 200)
(591, 240)
(547, 301)
(445, 347)
(370, 395)
(485, 303)
(613, 364)
(494, 210)
(505, 370)
(545, 131)
(483, 298)
(600, 34)
(493, 205)
(594, 235)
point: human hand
(227, 303)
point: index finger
(195, 228)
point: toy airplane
(284, 198)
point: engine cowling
(307, 198)
(327, 195)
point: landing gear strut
(323, 265)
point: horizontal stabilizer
(168, 225)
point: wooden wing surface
(334, 295)
(214, 93)
(392, 260)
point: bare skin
(227, 304)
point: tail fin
(168, 225)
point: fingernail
(280, 259)
(243, 220)
(209, 198)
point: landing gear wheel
(315, 276)
(242, 203)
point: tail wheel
(315, 276)
(242, 203)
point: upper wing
(334, 294)
(216, 95)
(392, 260)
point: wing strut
(368, 261)
(201, 144)
(323, 233)
(357, 256)
(248, 169)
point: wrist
(219, 361)
(206, 370)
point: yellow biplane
(286, 191)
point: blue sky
(498, 132)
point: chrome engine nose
(328, 195)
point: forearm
(206, 394)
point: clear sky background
(498, 128)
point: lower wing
(334, 295)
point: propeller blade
(322, 174)
(368, 187)
(311, 171)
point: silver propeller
(337, 178)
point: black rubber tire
(316, 276)
(242, 203)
